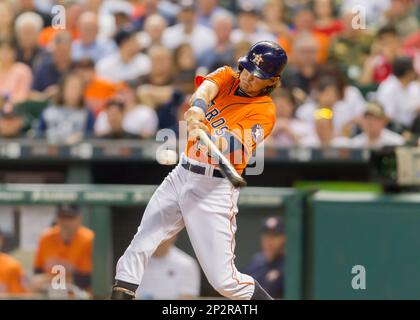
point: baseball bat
(226, 167)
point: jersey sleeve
(220, 77)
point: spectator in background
(385, 48)
(128, 63)
(28, 6)
(27, 28)
(320, 112)
(69, 244)
(87, 46)
(15, 77)
(268, 266)
(12, 276)
(332, 93)
(400, 93)
(248, 26)
(187, 30)
(7, 15)
(114, 15)
(274, 18)
(304, 23)
(109, 124)
(185, 68)
(73, 9)
(350, 48)
(240, 49)
(401, 13)
(222, 53)
(303, 69)
(159, 89)
(98, 91)
(51, 67)
(154, 26)
(206, 10)
(325, 18)
(375, 135)
(349, 109)
(288, 130)
(411, 48)
(68, 120)
(121, 120)
(171, 274)
(147, 8)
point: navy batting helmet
(265, 59)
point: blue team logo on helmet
(265, 59)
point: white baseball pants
(207, 207)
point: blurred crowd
(125, 69)
(63, 263)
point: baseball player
(235, 109)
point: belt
(200, 169)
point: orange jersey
(12, 278)
(75, 256)
(249, 119)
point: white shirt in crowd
(400, 103)
(201, 39)
(238, 35)
(300, 129)
(352, 105)
(312, 141)
(113, 69)
(171, 276)
(141, 121)
(361, 141)
(386, 139)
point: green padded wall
(380, 233)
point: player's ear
(275, 82)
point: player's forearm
(204, 94)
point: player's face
(272, 245)
(68, 226)
(252, 85)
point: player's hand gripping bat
(226, 167)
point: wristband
(200, 103)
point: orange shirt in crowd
(76, 256)
(98, 92)
(248, 119)
(323, 45)
(47, 35)
(12, 277)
